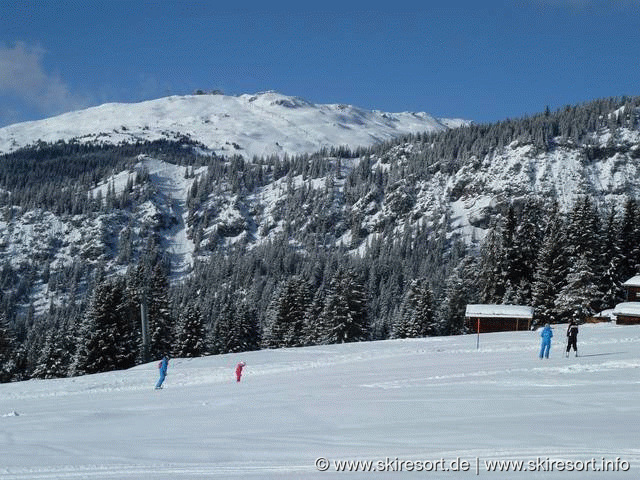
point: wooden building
(632, 289)
(627, 313)
(604, 316)
(498, 318)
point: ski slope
(422, 400)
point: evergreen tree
(160, 322)
(237, 329)
(510, 266)
(313, 328)
(287, 322)
(490, 277)
(7, 350)
(416, 317)
(190, 334)
(107, 340)
(583, 233)
(248, 330)
(526, 244)
(131, 306)
(344, 318)
(459, 292)
(577, 298)
(611, 283)
(551, 269)
(222, 334)
(629, 240)
(51, 363)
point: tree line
(566, 265)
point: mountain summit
(263, 124)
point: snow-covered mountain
(263, 124)
(74, 212)
(437, 400)
(456, 181)
(606, 169)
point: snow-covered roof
(631, 309)
(505, 311)
(633, 282)
(606, 313)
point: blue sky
(481, 60)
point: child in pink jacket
(239, 368)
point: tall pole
(144, 319)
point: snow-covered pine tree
(160, 323)
(221, 335)
(577, 298)
(313, 328)
(551, 269)
(58, 342)
(335, 316)
(490, 278)
(51, 361)
(610, 282)
(415, 318)
(236, 328)
(7, 350)
(190, 334)
(583, 231)
(344, 318)
(510, 256)
(244, 336)
(584, 239)
(303, 301)
(423, 314)
(629, 240)
(107, 340)
(134, 285)
(287, 316)
(526, 245)
(459, 291)
(29, 351)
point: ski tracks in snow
(167, 471)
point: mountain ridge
(249, 125)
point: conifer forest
(338, 246)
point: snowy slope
(173, 186)
(414, 400)
(262, 124)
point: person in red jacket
(239, 368)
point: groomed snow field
(420, 408)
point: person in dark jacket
(162, 366)
(572, 337)
(546, 335)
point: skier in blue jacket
(162, 366)
(546, 335)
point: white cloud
(23, 77)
